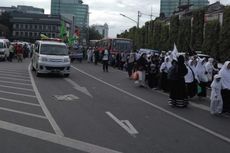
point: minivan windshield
(1, 45)
(48, 49)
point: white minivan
(50, 57)
(4, 50)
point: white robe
(201, 71)
(225, 76)
(216, 105)
(210, 68)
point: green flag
(63, 31)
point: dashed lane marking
(18, 94)
(20, 102)
(213, 133)
(23, 113)
(13, 73)
(18, 83)
(26, 80)
(11, 87)
(15, 76)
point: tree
(164, 38)
(225, 36)
(174, 29)
(184, 35)
(156, 35)
(94, 35)
(211, 39)
(197, 29)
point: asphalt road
(98, 112)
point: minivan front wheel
(38, 74)
(66, 75)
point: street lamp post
(139, 14)
(138, 18)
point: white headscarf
(200, 70)
(215, 83)
(225, 75)
(200, 67)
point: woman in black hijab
(178, 96)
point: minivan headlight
(66, 60)
(43, 59)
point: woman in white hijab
(210, 68)
(225, 81)
(164, 69)
(216, 105)
(202, 77)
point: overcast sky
(108, 11)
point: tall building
(72, 9)
(169, 6)
(23, 9)
(102, 29)
(28, 27)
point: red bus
(115, 45)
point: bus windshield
(122, 45)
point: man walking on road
(105, 59)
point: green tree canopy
(197, 30)
(211, 39)
(94, 35)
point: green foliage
(184, 35)
(156, 44)
(197, 30)
(225, 36)
(94, 35)
(211, 39)
(174, 29)
(164, 38)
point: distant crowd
(19, 51)
(182, 76)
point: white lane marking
(13, 70)
(11, 87)
(10, 82)
(79, 88)
(14, 73)
(44, 108)
(200, 106)
(69, 97)
(23, 113)
(18, 101)
(222, 137)
(14, 76)
(18, 94)
(26, 80)
(125, 124)
(53, 138)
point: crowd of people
(183, 77)
(18, 51)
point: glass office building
(169, 6)
(72, 9)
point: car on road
(76, 53)
(149, 52)
(50, 57)
(4, 50)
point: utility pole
(138, 19)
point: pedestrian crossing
(18, 102)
